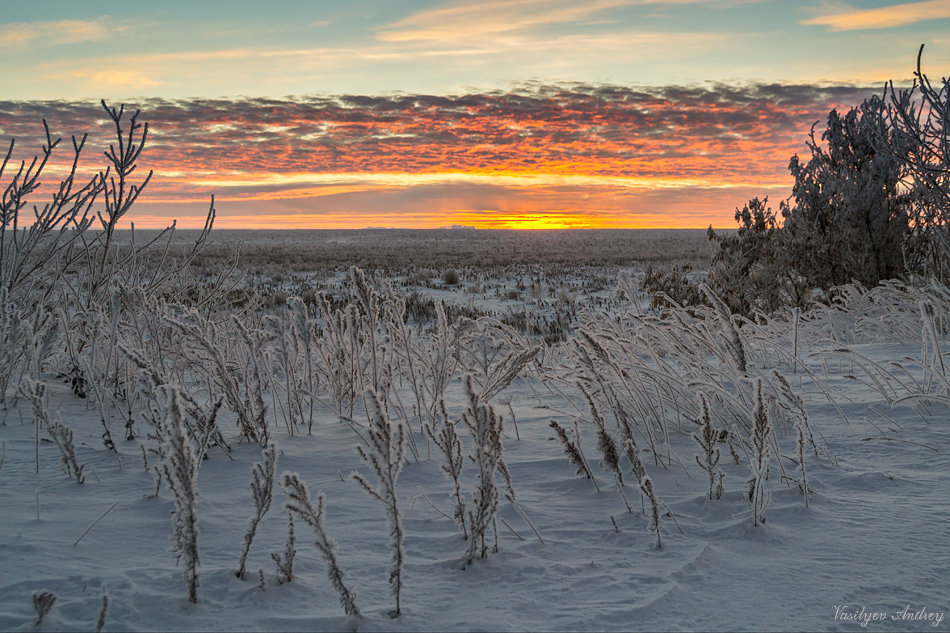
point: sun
(532, 220)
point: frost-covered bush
(450, 277)
(665, 285)
(870, 203)
(848, 220)
(756, 269)
(76, 292)
(850, 215)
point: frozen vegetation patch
(667, 466)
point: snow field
(874, 535)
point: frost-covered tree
(848, 219)
(917, 132)
(850, 215)
(871, 202)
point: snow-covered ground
(870, 551)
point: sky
(493, 113)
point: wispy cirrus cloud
(107, 79)
(475, 20)
(471, 21)
(56, 31)
(588, 154)
(566, 50)
(886, 17)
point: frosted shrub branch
(485, 428)
(573, 451)
(916, 131)
(443, 435)
(759, 456)
(708, 460)
(285, 561)
(33, 251)
(180, 468)
(61, 435)
(299, 503)
(42, 604)
(385, 455)
(262, 492)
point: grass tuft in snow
(385, 455)
(262, 492)
(42, 604)
(180, 467)
(299, 503)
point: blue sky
(179, 49)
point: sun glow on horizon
(545, 157)
(466, 219)
(336, 183)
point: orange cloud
(56, 31)
(476, 20)
(541, 155)
(884, 17)
(110, 79)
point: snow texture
(870, 551)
